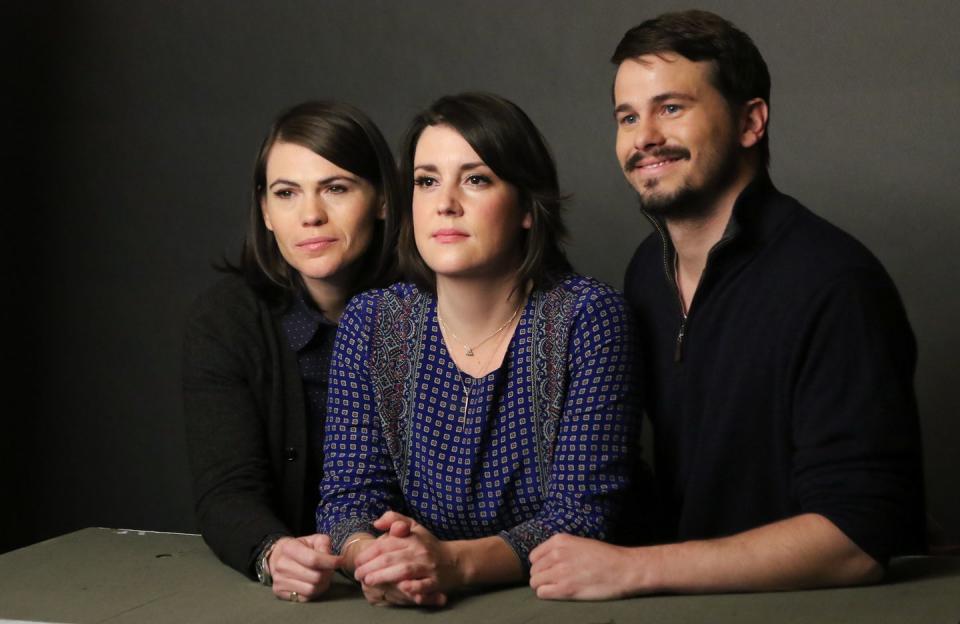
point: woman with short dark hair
(489, 404)
(321, 227)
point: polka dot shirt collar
(301, 321)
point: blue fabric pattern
(547, 443)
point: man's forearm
(486, 561)
(801, 552)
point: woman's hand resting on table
(406, 565)
(303, 565)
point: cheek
(421, 221)
(359, 228)
(275, 224)
(623, 146)
(504, 225)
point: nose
(313, 212)
(448, 201)
(648, 134)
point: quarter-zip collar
(746, 222)
(744, 213)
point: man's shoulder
(809, 249)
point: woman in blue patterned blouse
(490, 403)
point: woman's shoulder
(396, 298)
(230, 297)
(592, 310)
(229, 315)
(586, 292)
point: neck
(693, 237)
(474, 307)
(330, 297)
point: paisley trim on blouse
(550, 336)
(396, 349)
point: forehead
(443, 143)
(645, 77)
(289, 159)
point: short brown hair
(510, 144)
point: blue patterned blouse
(547, 443)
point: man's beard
(689, 201)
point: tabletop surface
(110, 575)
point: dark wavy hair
(510, 144)
(739, 71)
(346, 137)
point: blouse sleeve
(597, 438)
(359, 481)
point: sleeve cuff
(344, 529)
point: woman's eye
(283, 193)
(477, 179)
(424, 181)
(337, 189)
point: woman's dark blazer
(245, 424)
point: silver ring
(294, 597)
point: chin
(446, 263)
(682, 200)
(448, 269)
(320, 270)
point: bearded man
(779, 357)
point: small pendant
(468, 351)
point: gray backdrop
(134, 132)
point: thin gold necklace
(468, 388)
(467, 349)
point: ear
(753, 122)
(527, 222)
(266, 216)
(382, 209)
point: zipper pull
(678, 353)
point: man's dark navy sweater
(790, 389)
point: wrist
(462, 568)
(261, 565)
(354, 545)
(649, 569)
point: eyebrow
(657, 99)
(672, 95)
(322, 182)
(464, 167)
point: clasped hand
(406, 565)
(302, 567)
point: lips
(656, 164)
(449, 235)
(316, 243)
(657, 160)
